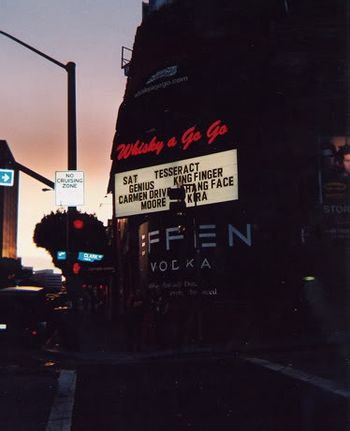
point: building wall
(156, 4)
(274, 79)
(8, 208)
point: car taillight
(34, 333)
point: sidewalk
(98, 341)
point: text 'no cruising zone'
(69, 188)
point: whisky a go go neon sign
(185, 140)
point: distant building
(8, 207)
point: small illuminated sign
(7, 177)
(89, 257)
(164, 73)
(61, 255)
(207, 180)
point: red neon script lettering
(216, 129)
(191, 135)
(126, 150)
(172, 142)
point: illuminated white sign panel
(69, 188)
(207, 180)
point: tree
(73, 232)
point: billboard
(207, 180)
(192, 258)
(334, 194)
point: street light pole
(71, 87)
(72, 118)
(72, 123)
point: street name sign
(61, 255)
(89, 257)
(69, 188)
(7, 177)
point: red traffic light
(76, 268)
(78, 223)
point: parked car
(24, 316)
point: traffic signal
(177, 196)
(78, 235)
(78, 224)
(76, 268)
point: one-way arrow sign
(7, 177)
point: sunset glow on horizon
(33, 112)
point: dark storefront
(242, 104)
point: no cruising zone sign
(7, 177)
(69, 188)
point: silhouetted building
(236, 101)
(153, 5)
(8, 206)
